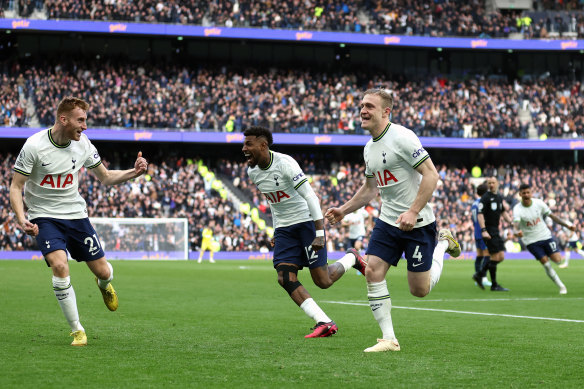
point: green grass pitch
(229, 324)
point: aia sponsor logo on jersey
(276, 197)
(384, 177)
(535, 222)
(57, 181)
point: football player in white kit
(47, 169)
(571, 245)
(299, 238)
(529, 223)
(356, 223)
(397, 166)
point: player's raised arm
(562, 222)
(114, 177)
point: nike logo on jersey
(417, 264)
(45, 164)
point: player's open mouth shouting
(250, 158)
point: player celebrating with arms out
(299, 238)
(529, 222)
(399, 168)
(47, 168)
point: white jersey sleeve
(26, 159)
(410, 149)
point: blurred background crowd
(211, 98)
(173, 187)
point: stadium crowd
(135, 96)
(411, 17)
(174, 188)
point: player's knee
(370, 274)
(284, 278)
(60, 269)
(419, 291)
(323, 284)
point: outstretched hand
(141, 165)
(334, 215)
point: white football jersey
(357, 223)
(532, 221)
(278, 183)
(572, 235)
(392, 159)
(52, 188)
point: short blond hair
(69, 103)
(384, 94)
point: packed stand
(13, 103)
(175, 189)
(298, 101)
(557, 108)
(403, 17)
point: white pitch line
(503, 299)
(464, 312)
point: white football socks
(104, 283)
(553, 275)
(311, 308)
(347, 261)
(66, 298)
(380, 304)
(437, 262)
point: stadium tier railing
(102, 134)
(213, 32)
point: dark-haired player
(299, 237)
(529, 222)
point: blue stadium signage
(288, 35)
(304, 139)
